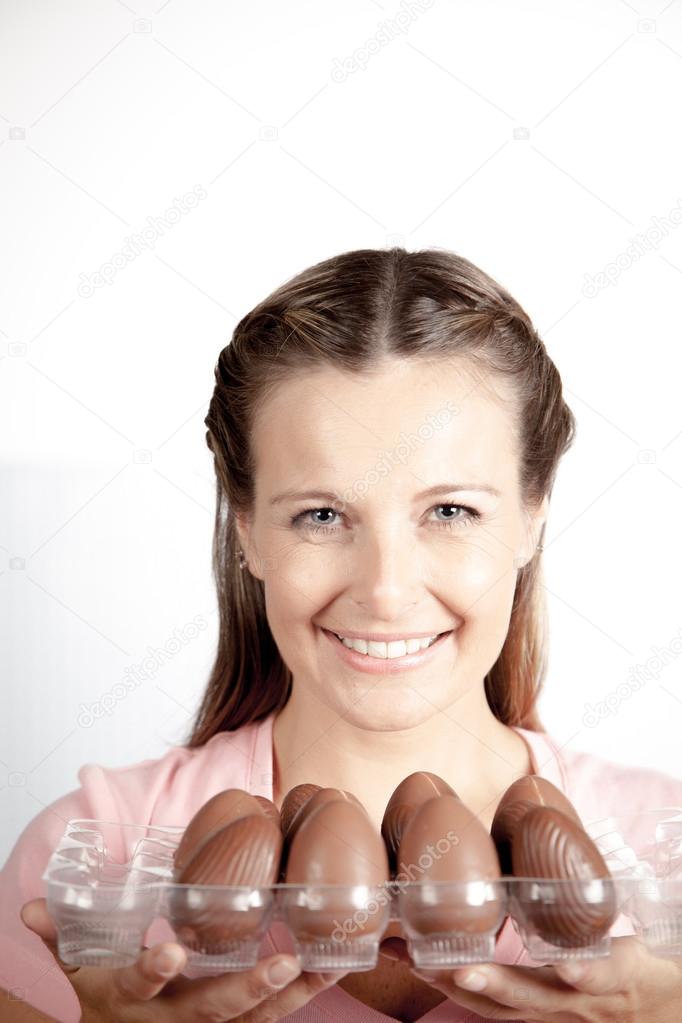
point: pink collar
(545, 758)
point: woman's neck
(477, 756)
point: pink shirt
(170, 789)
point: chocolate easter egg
(551, 845)
(270, 810)
(294, 800)
(319, 798)
(445, 842)
(525, 793)
(220, 810)
(245, 852)
(309, 805)
(336, 844)
(407, 797)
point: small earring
(539, 547)
(242, 559)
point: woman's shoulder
(164, 790)
(169, 789)
(601, 786)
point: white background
(536, 139)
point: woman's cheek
(484, 603)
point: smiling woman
(386, 430)
(341, 400)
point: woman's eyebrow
(438, 488)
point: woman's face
(368, 552)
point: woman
(406, 400)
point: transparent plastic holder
(650, 838)
(107, 882)
(651, 886)
(656, 909)
(336, 927)
(101, 900)
(564, 919)
(220, 927)
(103, 924)
(451, 923)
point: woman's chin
(377, 712)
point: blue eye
(470, 515)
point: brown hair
(352, 312)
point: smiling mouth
(381, 654)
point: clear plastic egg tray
(107, 882)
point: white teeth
(397, 648)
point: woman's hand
(630, 986)
(151, 991)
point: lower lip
(386, 665)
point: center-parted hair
(354, 312)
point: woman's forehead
(421, 427)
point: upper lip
(392, 637)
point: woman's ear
(243, 527)
(534, 520)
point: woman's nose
(387, 575)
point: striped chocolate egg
(270, 810)
(245, 853)
(221, 809)
(548, 844)
(523, 794)
(294, 800)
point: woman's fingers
(564, 989)
(595, 978)
(241, 995)
(150, 973)
(507, 992)
(292, 997)
(629, 964)
(35, 916)
(479, 1004)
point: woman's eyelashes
(300, 522)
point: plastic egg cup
(219, 926)
(100, 925)
(655, 907)
(336, 927)
(643, 851)
(564, 919)
(451, 923)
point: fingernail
(282, 972)
(474, 981)
(331, 978)
(167, 963)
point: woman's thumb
(35, 916)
